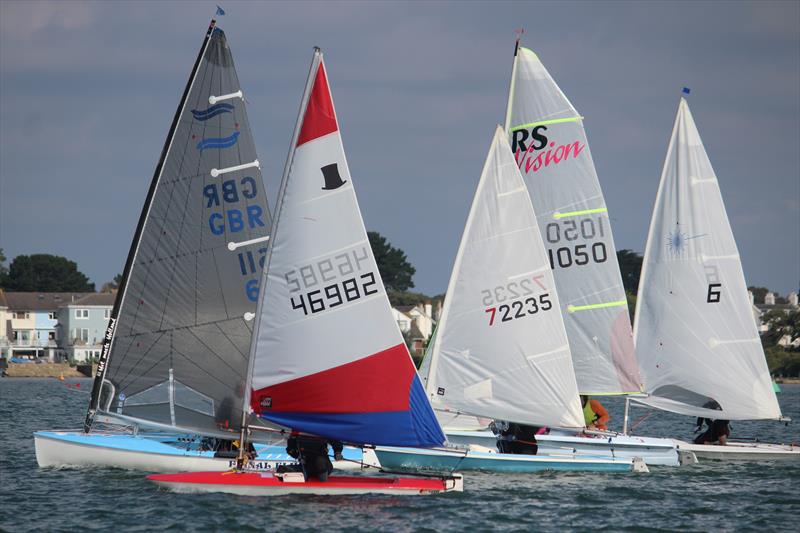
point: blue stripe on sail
(212, 111)
(416, 427)
(218, 142)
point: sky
(88, 91)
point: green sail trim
(544, 123)
(559, 216)
(574, 308)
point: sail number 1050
(586, 229)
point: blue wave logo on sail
(218, 142)
(211, 112)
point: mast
(510, 104)
(315, 61)
(108, 338)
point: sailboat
(169, 385)
(327, 358)
(501, 348)
(549, 144)
(697, 344)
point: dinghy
(501, 349)
(327, 358)
(551, 150)
(696, 340)
(268, 484)
(175, 353)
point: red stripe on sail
(377, 383)
(320, 118)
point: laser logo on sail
(211, 112)
(218, 142)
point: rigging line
(122, 381)
(235, 347)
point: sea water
(709, 496)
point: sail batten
(501, 350)
(696, 340)
(175, 351)
(551, 150)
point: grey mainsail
(177, 346)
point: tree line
(52, 273)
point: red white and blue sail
(329, 358)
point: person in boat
(312, 456)
(718, 430)
(594, 414)
(517, 438)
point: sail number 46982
(335, 295)
(332, 281)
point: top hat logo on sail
(332, 178)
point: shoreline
(45, 370)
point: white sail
(695, 336)
(328, 358)
(501, 349)
(549, 143)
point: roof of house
(40, 301)
(95, 298)
(780, 307)
(414, 332)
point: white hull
(742, 451)
(653, 451)
(62, 453)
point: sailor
(594, 414)
(517, 438)
(312, 456)
(718, 430)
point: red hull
(267, 483)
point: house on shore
(54, 326)
(82, 324)
(770, 303)
(29, 323)
(417, 323)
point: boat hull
(653, 451)
(742, 451)
(269, 484)
(65, 449)
(446, 460)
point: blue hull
(439, 460)
(68, 448)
